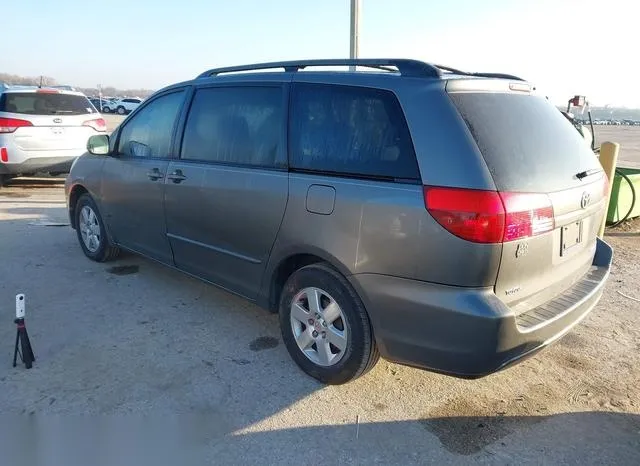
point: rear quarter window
(527, 144)
(354, 131)
(34, 103)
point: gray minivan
(441, 219)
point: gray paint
(434, 300)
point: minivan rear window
(528, 145)
(35, 103)
(353, 131)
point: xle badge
(522, 249)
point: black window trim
(357, 176)
(172, 153)
(284, 86)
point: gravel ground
(139, 364)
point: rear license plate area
(570, 237)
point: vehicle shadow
(35, 182)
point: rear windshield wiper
(586, 173)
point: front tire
(91, 231)
(325, 326)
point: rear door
(59, 121)
(547, 173)
(133, 177)
(226, 196)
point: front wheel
(325, 327)
(105, 110)
(91, 232)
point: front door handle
(177, 176)
(155, 174)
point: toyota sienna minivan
(383, 207)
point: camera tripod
(23, 346)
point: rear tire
(91, 232)
(121, 111)
(339, 317)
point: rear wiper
(586, 173)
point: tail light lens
(489, 216)
(98, 124)
(9, 125)
(4, 155)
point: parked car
(402, 213)
(109, 105)
(97, 103)
(127, 105)
(44, 130)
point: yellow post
(608, 159)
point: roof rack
(406, 67)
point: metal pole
(355, 25)
(609, 160)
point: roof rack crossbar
(406, 67)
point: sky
(565, 47)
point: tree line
(49, 81)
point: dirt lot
(629, 139)
(167, 357)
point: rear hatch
(551, 184)
(49, 120)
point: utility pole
(355, 26)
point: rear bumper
(470, 332)
(60, 164)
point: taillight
(9, 125)
(489, 216)
(527, 214)
(98, 124)
(4, 155)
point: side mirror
(98, 144)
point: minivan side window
(236, 125)
(347, 130)
(148, 133)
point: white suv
(44, 130)
(124, 106)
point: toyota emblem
(57, 120)
(585, 200)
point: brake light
(527, 214)
(98, 124)
(9, 125)
(47, 91)
(489, 216)
(4, 155)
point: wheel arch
(280, 269)
(74, 194)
